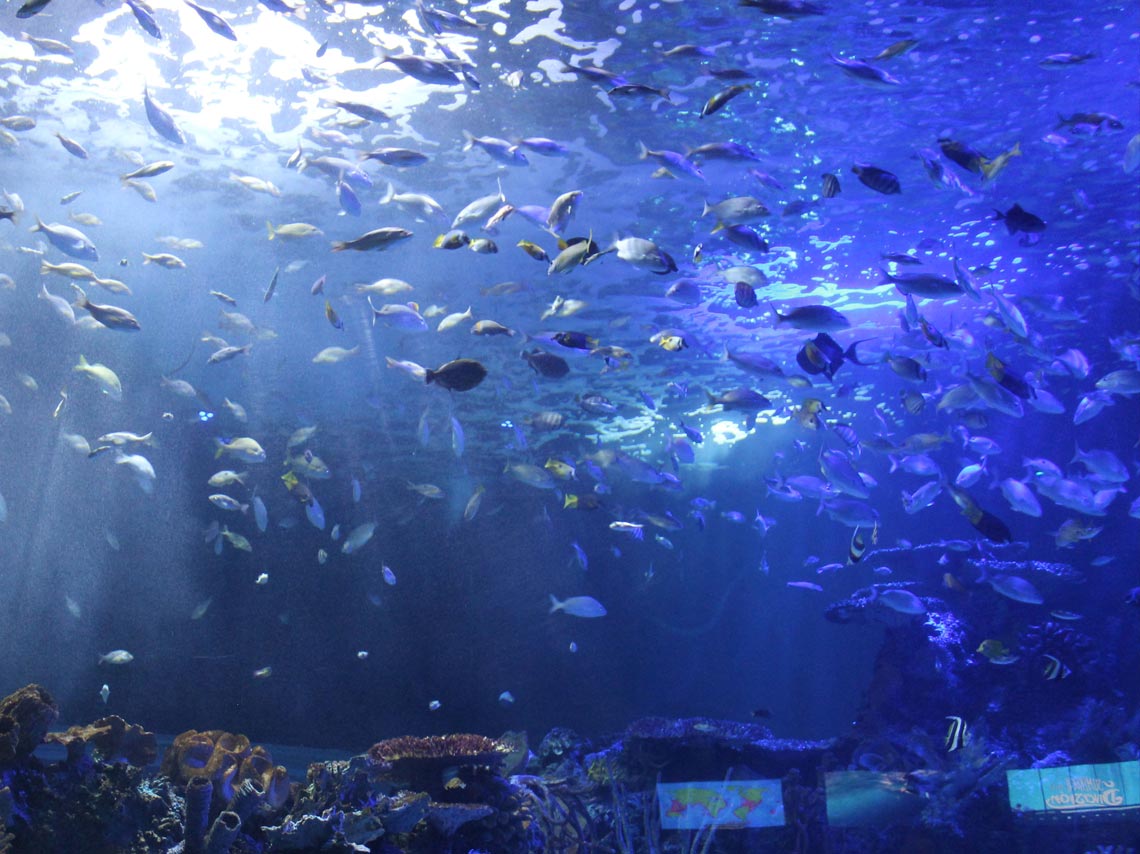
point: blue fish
(349, 203)
(161, 120)
(145, 16)
(580, 556)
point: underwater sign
(731, 804)
(1114, 787)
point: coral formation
(227, 760)
(25, 718)
(427, 763)
(112, 739)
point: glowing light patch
(726, 433)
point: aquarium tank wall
(541, 425)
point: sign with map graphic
(1113, 787)
(732, 804)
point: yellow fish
(561, 470)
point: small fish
(857, 548)
(879, 180)
(578, 606)
(717, 101)
(116, 656)
(434, 705)
(1055, 668)
(958, 735)
(104, 693)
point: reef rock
(25, 718)
(720, 744)
(112, 738)
(421, 762)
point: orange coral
(113, 739)
(227, 759)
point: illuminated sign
(732, 804)
(1114, 787)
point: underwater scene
(558, 426)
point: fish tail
(339, 246)
(39, 226)
(470, 140)
(850, 355)
(887, 280)
(555, 605)
(642, 150)
(389, 194)
(269, 228)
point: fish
(105, 693)
(71, 146)
(399, 157)
(378, 239)
(457, 375)
(717, 102)
(677, 164)
(901, 601)
(879, 180)
(144, 15)
(1018, 220)
(857, 548)
(864, 72)
(243, 448)
(333, 355)
(498, 149)
(429, 71)
(546, 364)
(1055, 668)
(578, 606)
(260, 513)
(117, 657)
(68, 240)
(1014, 587)
(958, 734)
(104, 377)
(161, 120)
(471, 508)
(213, 20)
(357, 538)
(927, 285)
(812, 318)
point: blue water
(703, 625)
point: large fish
(68, 240)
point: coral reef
(428, 763)
(25, 718)
(227, 760)
(216, 793)
(112, 739)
